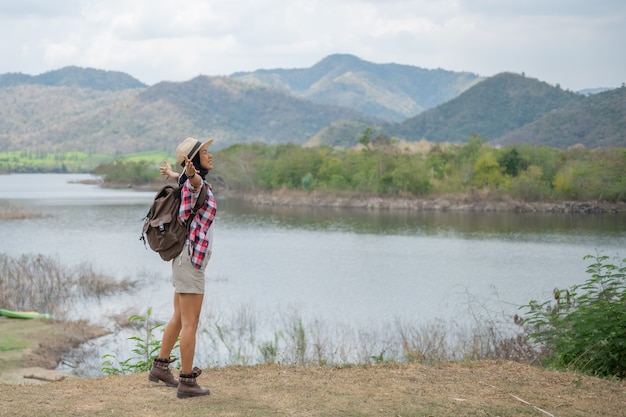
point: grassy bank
(40, 342)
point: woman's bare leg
(190, 307)
(172, 330)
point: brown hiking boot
(161, 372)
(188, 387)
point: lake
(347, 269)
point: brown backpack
(161, 229)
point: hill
(53, 118)
(490, 109)
(68, 118)
(597, 121)
(390, 91)
(75, 77)
(332, 103)
(235, 112)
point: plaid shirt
(199, 243)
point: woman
(188, 268)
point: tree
(487, 171)
(511, 162)
(366, 136)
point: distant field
(59, 162)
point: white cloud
(575, 43)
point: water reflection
(362, 269)
(470, 225)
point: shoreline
(35, 348)
(471, 203)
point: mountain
(236, 112)
(38, 117)
(157, 117)
(597, 121)
(390, 91)
(490, 109)
(108, 112)
(75, 77)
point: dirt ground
(31, 349)
(484, 388)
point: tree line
(386, 167)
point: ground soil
(483, 388)
(31, 349)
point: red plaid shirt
(198, 233)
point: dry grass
(452, 389)
(40, 283)
(10, 211)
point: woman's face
(206, 159)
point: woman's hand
(190, 170)
(166, 171)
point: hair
(198, 166)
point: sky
(576, 44)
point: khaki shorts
(185, 277)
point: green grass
(27, 161)
(16, 339)
(9, 343)
(152, 156)
(71, 161)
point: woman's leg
(190, 307)
(172, 330)
(160, 370)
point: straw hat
(190, 147)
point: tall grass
(40, 283)
(10, 211)
(235, 339)
(246, 337)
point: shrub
(146, 348)
(128, 172)
(584, 327)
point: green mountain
(75, 77)
(598, 121)
(37, 117)
(391, 91)
(157, 117)
(236, 112)
(490, 109)
(332, 102)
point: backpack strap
(201, 199)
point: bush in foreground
(584, 326)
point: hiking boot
(161, 372)
(188, 387)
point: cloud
(39, 8)
(572, 42)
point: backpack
(161, 229)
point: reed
(40, 283)
(10, 211)
(235, 340)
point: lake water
(354, 269)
